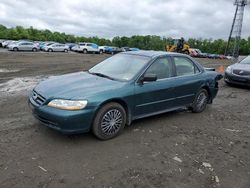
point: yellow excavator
(178, 46)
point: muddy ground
(175, 150)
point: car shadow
(89, 137)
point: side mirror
(149, 78)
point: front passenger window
(161, 68)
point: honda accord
(120, 89)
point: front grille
(241, 72)
(39, 99)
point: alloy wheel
(111, 122)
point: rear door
(157, 96)
(188, 80)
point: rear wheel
(200, 101)
(34, 49)
(109, 121)
(101, 52)
(65, 50)
(15, 49)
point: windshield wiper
(101, 75)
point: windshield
(246, 60)
(121, 66)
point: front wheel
(15, 49)
(109, 121)
(50, 50)
(85, 51)
(200, 101)
(65, 50)
(34, 49)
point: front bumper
(67, 122)
(238, 80)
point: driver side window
(161, 68)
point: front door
(156, 96)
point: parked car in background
(1, 42)
(198, 53)
(103, 49)
(56, 47)
(23, 46)
(75, 48)
(134, 49)
(6, 43)
(229, 57)
(121, 89)
(45, 44)
(193, 52)
(113, 50)
(222, 56)
(71, 45)
(239, 73)
(12, 42)
(86, 47)
(126, 49)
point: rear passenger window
(161, 67)
(185, 67)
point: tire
(50, 50)
(85, 51)
(101, 52)
(34, 50)
(15, 49)
(112, 53)
(65, 50)
(186, 52)
(105, 126)
(200, 101)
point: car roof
(151, 53)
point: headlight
(68, 104)
(229, 69)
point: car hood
(241, 66)
(78, 85)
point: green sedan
(123, 88)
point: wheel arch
(209, 93)
(122, 103)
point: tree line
(148, 42)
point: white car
(56, 47)
(7, 42)
(103, 49)
(75, 48)
(86, 47)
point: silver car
(23, 46)
(56, 48)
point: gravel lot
(176, 150)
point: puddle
(19, 86)
(8, 70)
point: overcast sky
(109, 18)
